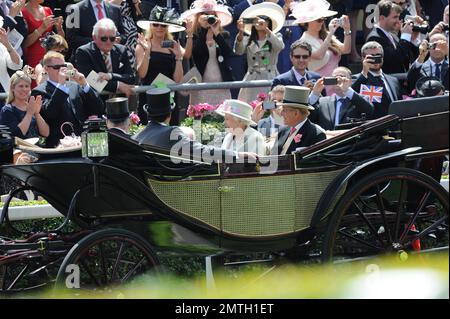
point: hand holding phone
(377, 59)
(249, 20)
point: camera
(167, 44)
(432, 46)
(330, 80)
(70, 72)
(377, 59)
(424, 28)
(57, 12)
(269, 105)
(340, 22)
(211, 19)
(249, 20)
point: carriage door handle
(225, 189)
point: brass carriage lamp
(94, 139)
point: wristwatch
(348, 32)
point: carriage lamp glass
(94, 139)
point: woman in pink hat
(207, 46)
(327, 49)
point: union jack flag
(372, 93)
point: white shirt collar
(94, 4)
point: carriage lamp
(94, 139)
(6, 145)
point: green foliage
(25, 203)
(134, 129)
(212, 128)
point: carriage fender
(327, 201)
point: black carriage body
(199, 208)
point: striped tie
(107, 62)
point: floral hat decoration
(238, 109)
(205, 6)
(311, 10)
(164, 16)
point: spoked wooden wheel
(27, 272)
(393, 210)
(105, 259)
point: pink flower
(262, 96)
(135, 118)
(199, 110)
(254, 103)
(298, 138)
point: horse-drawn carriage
(358, 194)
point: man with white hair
(107, 58)
(84, 15)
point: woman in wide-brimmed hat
(262, 43)
(241, 137)
(207, 45)
(153, 59)
(327, 50)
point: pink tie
(293, 129)
(100, 11)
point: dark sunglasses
(111, 39)
(159, 25)
(320, 20)
(304, 57)
(57, 66)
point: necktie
(438, 71)
(302, 81)
(107, 62)
(100, 11)
(341, 105)
(292, 131)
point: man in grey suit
(340, 108)
(160, 134)
(436, 65)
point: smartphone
(167, 44)
(330, 81)
(249, 20)
(377, 59)
(57, 12)
(269, 105)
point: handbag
(69, 140)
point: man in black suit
(118, 116)
(84, 15)
(299, 75)
(373, 77)
(108, 59)
(13, 20)
(436, 65)
(340, 108)
(65, 101)
(398, 54)
(299, 131)
(159, 133)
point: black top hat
(117, 109)
(429, 86)
(165, 16)
(158, 102)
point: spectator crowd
(61, 60)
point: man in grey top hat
(159, 133)
(300, 131)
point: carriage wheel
(393, 210)
(27, 273)
(105, 259)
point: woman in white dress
(240, 136)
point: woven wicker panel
(258, 206)
(198, 199)
(309, 188)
